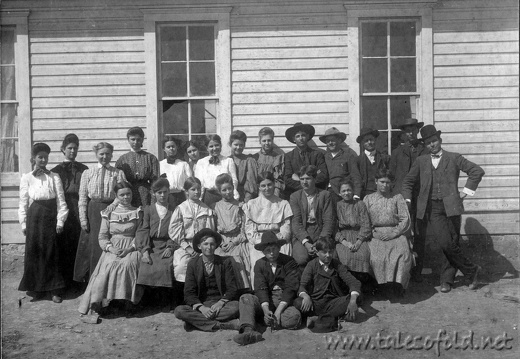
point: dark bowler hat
(429, 131)
(325, 324)
(206, 232)
(40, 147)
(410, 122)
(367, 131)
(333, 132)
(298, 126)
(269, 238)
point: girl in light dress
(175, 170)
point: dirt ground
(43, 329)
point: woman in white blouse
(208, 168)
(175, 170)
(42, 213)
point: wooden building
(193, 67)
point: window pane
(204, 116)
(173, 43)
(375, 75)
(202, 42)
(402, 38)
(202, 78)
(402, 75)
(7, 43)
(175, 117)
(8, 91)
(402, 107)
(373, 39)
(9, 143)
(174, 79)
(374, 112)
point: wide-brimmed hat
(325, 324)
(410, 122)
(333, 132)
(367, 131)
(40, 147)
(206, 232)
(298, 126)
(269, 238)
(429, 131)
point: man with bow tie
(440, 205)
(370, 160)
(402, 159)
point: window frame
(19, 18)
(422, 12)
(220, 16)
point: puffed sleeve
(83, 197)
(176, 229)
(63, 210)
(24, 200)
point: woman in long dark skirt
(70, 174)
(42, 213)
(96, 192)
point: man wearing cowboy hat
(302, 155)
(370, 160)
(400, 163)
(439, 205)
(210, 287)
(341, 164)
(277, 279)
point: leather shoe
(56, 299)
(474, 281)
(445, 287)
(249, 336)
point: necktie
(102, 180)
(209, 267)
(214, 160)
(39, 171)
(325, 267)
(436, 156)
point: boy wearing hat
(341, 163)
(400, 163)
(210, 288)
(370, 160)
(302, 155)
(327, 289)
(439, 204)
(276, 283)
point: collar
(67, 160)
(206, 260)
(437, 155)
(311, 195)
(266, 153)
(134, 151)
(322, 264)
(370, 153)
(334, 155)
(307, 149)
(99, 165)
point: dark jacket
(293, 163)
(343, 166)
(315, 281)
(153, 227)
(286, 276)
(401, 161)
(224, 275)
(323, 209)
(450, 164)
(381, 160)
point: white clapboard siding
(476, 103)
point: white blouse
(207, 173)
(43, 187)
(176, 174)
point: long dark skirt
(68, 240)
(41, 263)
(89, 251)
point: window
(188, 73)
(389, 91)
(187, 91)
(9, 130)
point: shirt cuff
(408, 200)
(284, 303)
(224, 300)
(354, 292)
(60, 223)
(265, 304)
(300, 294)
(107, 247)
(468, 191)
(356, 196)
(197, 306)
(305, 240)
(185, 245)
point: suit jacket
(293, 163)
(315, 281)
(194, 285)
(343, 166)
(286, 276)
(153, 227)
(381, 160)
(323, 209)
(401, 162)
(450, 164)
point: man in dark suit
(327, 289)
(277, 279)
(439, 205)
(400, 163)
(370, 160)
(313, 216)
(210, 288)
(302, 155)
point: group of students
(221, 231)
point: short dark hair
(160, 183)
(308, 170)
(190, 182)
(135, 131)
(324, 244)
(237, 135)
(121, 185)
(177, 141)
(384, 173)
(267, 175)
(223, 178)
(345, 181)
